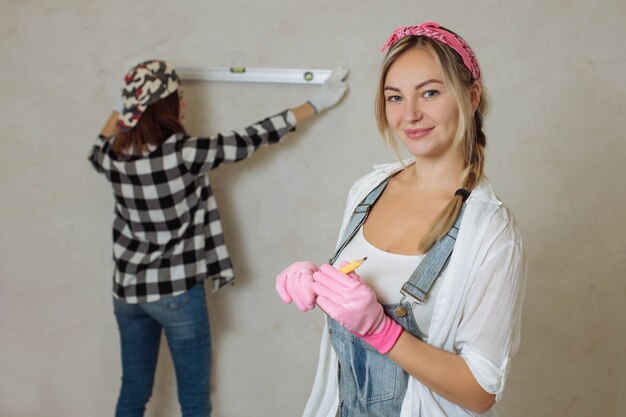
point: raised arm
(205, 154)
(110, 126)
(96, 154)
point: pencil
(346, 269)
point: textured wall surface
(557, 143)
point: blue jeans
(185, 320)
(370, 384)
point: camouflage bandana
(145, 84)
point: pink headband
(432, 30)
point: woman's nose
(412, 112)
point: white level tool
(255, 75)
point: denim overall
(371, 384)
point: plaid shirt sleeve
(97, 153)
(206, 153)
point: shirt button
(331, 331)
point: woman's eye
(430, 93)
(394, 99)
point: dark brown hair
(160, 121)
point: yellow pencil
(346, 269)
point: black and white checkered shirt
(167, 233)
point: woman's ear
(475, 93)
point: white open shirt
(477, 312)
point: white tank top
(386, 272)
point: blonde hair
(459, 82)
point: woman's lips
(417, 133)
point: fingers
(339, 73)
(294, 293)
(350, 280)
(294, 284)
(304, 265)
(332, 279)
(302, 283)
(299, 286)
(352, 274)
(306, 290)
(333, 89)
(327, 293)
(331, 308)
(333, 285)
(281, 288)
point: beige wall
(557, 146)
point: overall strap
(433, 263)
(360, 214)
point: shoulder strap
(433, 263)
(435, 260)
(359, 215)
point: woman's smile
(417, 133)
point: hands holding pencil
(342, 295)
(295, 283)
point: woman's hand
(295, 283)
(332, 90)
(347, 299)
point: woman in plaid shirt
(167, 234)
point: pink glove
(295, 282)
(347, 299)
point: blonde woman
(428, 324)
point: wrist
(301, 113)
(385, 339)
(315, 107)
